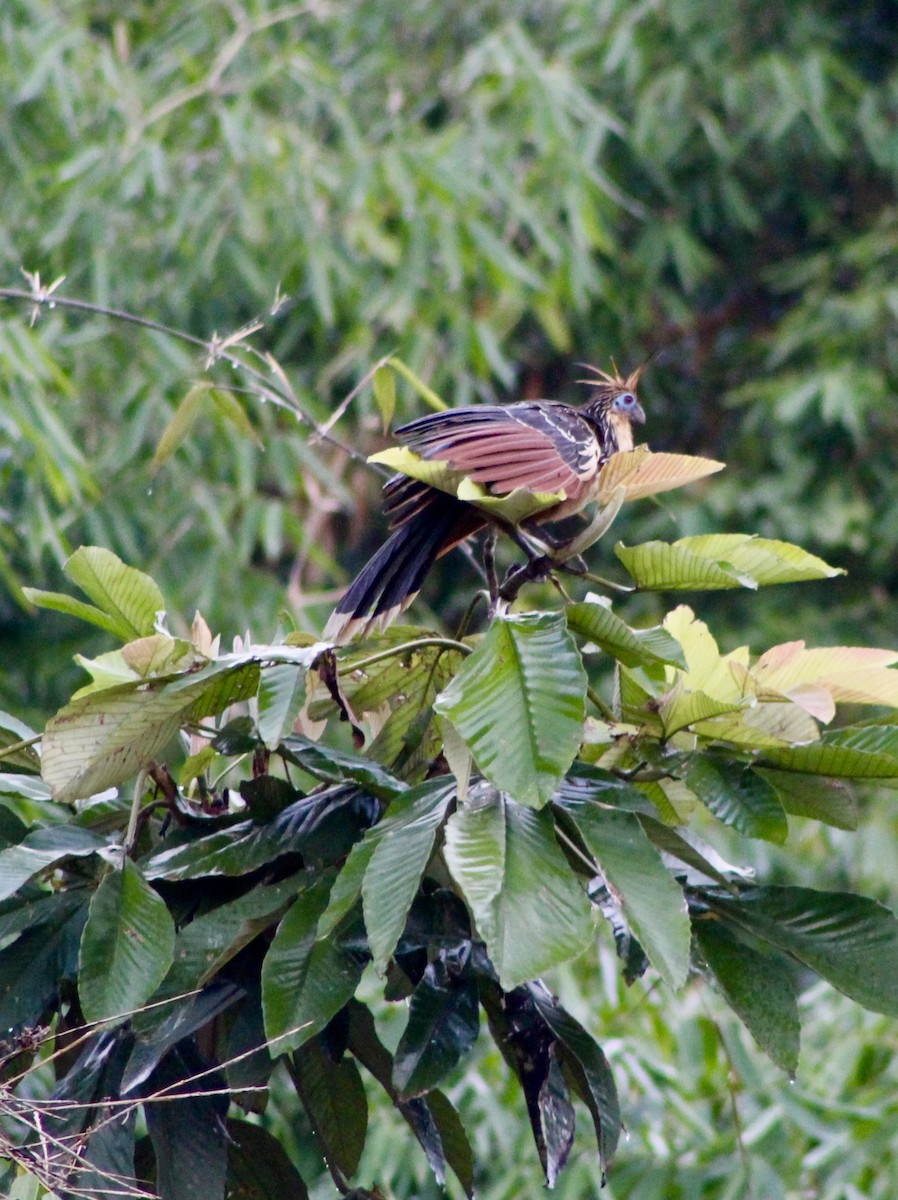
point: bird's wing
(542, 446)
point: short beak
(638, 414)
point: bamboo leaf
(180, 424)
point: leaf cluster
(201, 875)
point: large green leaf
(519, 703)
(282, 693)
(34, 965)
(814, 797)
(442, 1026)
(632, 647)
(396, 867)
(584, 1062)
(127, 945)
(41, 848)
(824, 758)
(188, 1131)
(335, 817)
(650, 897)
(526, 901)
(304, 981)
(127, 595)
(106, 737)
(205, 944)
(416, 808)
(333, 1095)
(712, 562)
(338, 766)
(849, 940)
(738, 796)
(758, 989)
(259, 1167)
(433, 1120)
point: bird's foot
(535, 570)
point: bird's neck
(614, 429)
(619, 432)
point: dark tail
(389, 582)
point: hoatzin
(541, 450)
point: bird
(538, 458)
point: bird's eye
(627, 400)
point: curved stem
(420, 643)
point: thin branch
(405, 647)
(15, 747)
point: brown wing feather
(541, 446)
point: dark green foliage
(236, 943)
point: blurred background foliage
(494, 191)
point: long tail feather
(391, 579)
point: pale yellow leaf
(643, 473)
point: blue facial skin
(627, 404)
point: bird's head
(614, 406)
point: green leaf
(519, 701)
(757, 988)
(650, 897)
(127, 945)
(282, 693)
(73, 607)
(384, 383)
(106, 737)
(823, 758)
(433, 1120)
(428, 395)
(125, 594)
(442, 1027)
(454, 1142)
(188, 1131)
(259, 1167)
(584, 1062)
(337, 814)
(849, 940)
(527, 928)
(12, 733)
(632, 647)
(339, 766)
(474, 850)
(42, 848)
(208, 942)
(814, 797)
(304, 981)
(680, 708)
(333, 1095)
(227, 404)
(738, 796)
(712, 562)
(33, 966)
(397, 864)
(180, 424)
